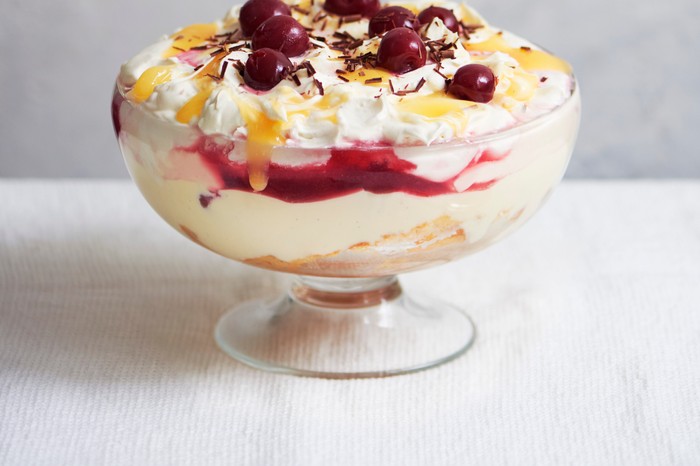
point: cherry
(265, 68)
(392, 17)
(254, 12)
(401, 50)
(282, 33)
(473, 82)
(447, 17)
(366, 8)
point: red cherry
(447, 17)
(254, 12)
(473, 82)
(392, 17)
(401, 50)
(265, 68)
(282, 33)
(365, 8)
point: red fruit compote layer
(351, 164)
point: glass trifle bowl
(345, 172)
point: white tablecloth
(588, 347)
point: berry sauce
(374, 169)
(116, 105)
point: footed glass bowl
(346, 221)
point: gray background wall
(638, 63)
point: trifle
(345, 141)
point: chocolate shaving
(224, 67)
(199, 67)
(342, 35)
(310, 68)
(419, 85)
(437, 70)
(238, 65)
(296, 80)
(468, 29)
(343, 78)
(525, 49)
(340, 72)
(373, 80)
(351, 18)
(178, 48)
(543, 79)
(319, 86)
(361, 73)
(354, 45)
(215, 78)
(216, 52)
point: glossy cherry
(366, 8)
(447, 17)
(473, 82)
(265, 68)
(392, 17)
(255, 12)
(282, 33)
(401, 50)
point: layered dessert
(345, 137)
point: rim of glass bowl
(475, 140)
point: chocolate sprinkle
(299, 9)
(352, 18)
(319, 86)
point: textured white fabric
(588, 347)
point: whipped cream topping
(193, 78)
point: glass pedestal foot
(344, 328)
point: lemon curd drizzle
(530, 59)
(189, 37)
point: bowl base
(344, 328)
